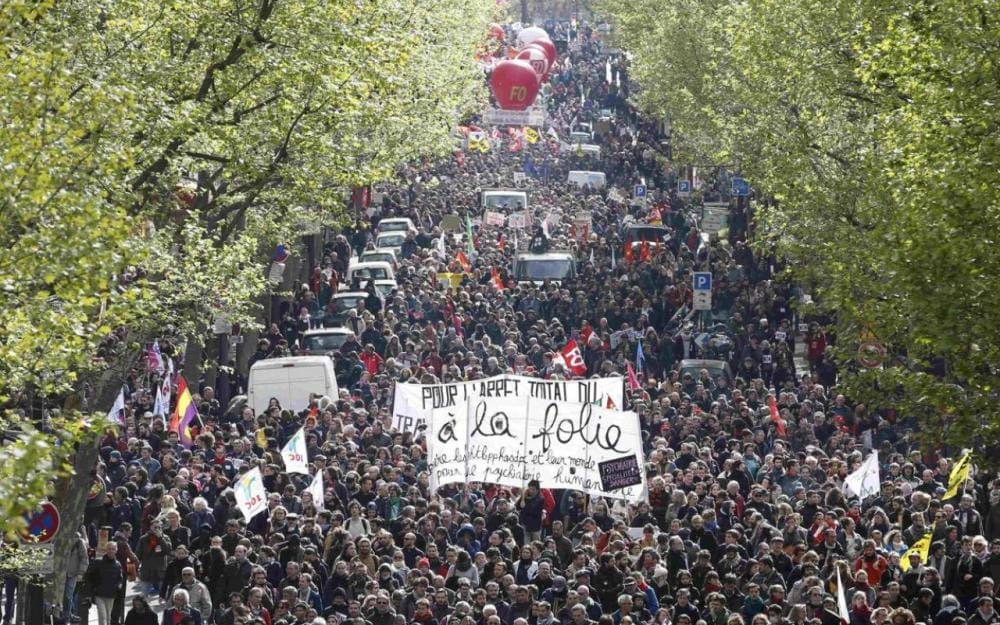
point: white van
(290, 381)
(376, 270)
(596, 179)
(540, 268)
(583, 149)
(510, 199)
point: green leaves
(866, 121)
(266, 113)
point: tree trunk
(194, 355)
(70, 492)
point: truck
(548, 267)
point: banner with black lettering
(413, 403)
(511, 440)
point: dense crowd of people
(747, 519)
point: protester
(747, 517)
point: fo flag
(572, 359)
(294, 454)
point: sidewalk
(131, 591)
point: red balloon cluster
(535, 56)
(515, 82)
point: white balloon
(527, 35)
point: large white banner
(511, 440)
(413, 403)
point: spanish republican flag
(184, 413)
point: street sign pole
(701, 284)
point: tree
(154, 155)
(864, 122)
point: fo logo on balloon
(515, 85)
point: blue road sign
(741, 188)
(639, 191)
(684, 186)
(702, 281)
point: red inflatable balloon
(549, 47)
(515, 85)
(535, 56)
(497, 32)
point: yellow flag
(261, 438)
(484, 146)
(959, 473)
(531, 135)
(922, 547)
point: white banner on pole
(413, 403)
(251, 496)
(512, 440)
(294, 454)
(317, 492)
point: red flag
(628, 253)
(497, 281)
(517, 145)
(572, 358)
(776, 416)
(633, 381)
(502, 242)
(644, 253)
(460, 158)
(463, 260)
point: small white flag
(316, 490)
(294, 454)
(251, 497)
(591, 256)
(441, 247)
(161, 408)
(865, 481)
(545, 227)
(842, 599)
(607, 71)
(117, 413)
(618, 79)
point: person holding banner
(595, 429)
